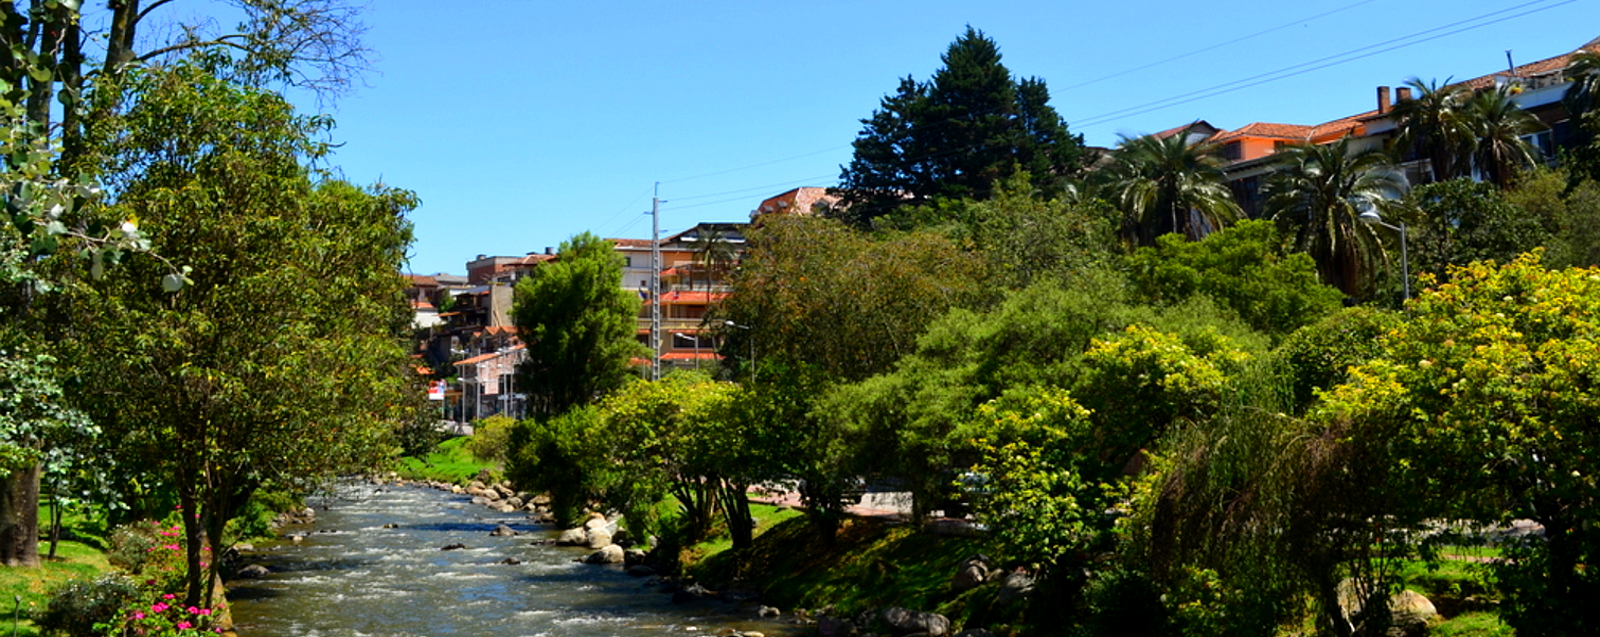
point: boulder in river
(252, 571)
(573, 537)
(453, 547)
(502, 531)
(599, 539)
(904, 621)
(611, 554)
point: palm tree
(1583, 68)
(1498, 125)
(1319, 191)
(715, 252)
(1433, 125)
(1165, 185)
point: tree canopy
(955, 135)
(578, 325)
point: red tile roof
(1541, 67)
(1296, 132)
(421, 280)
(631, 243)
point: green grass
(767, 517)
(869, 564)
(74, 560)
(1474, 624)
(451, 462)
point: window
(1231, 151)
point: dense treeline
(1184, 422)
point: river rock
(1409, 612)
(515, 502)
(611, 554)
(480, 500)
(599, 539)
(640, 570)
(1016, 585)
(503, 507)
(252, 571)
(766, 612)
(691, 593)
(504, 490)
(572, 537)
(596, 521)
(456, 489)
(904, 621)
(835, 627)
(452, 547)
(634, 556)
(510, 561)
(973, 572)
(502, 531)
(541, 499)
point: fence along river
(372, 566)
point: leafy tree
(1581, 99)
(1465, 221)
(251, 373)
(955, 135)
(1166, 184)
(39, 431)
(1318, 192)
(578, 324)
(1026, 238)
(1240, 268)
(1568, 206)
(1485, 398)
(815, 292)
(1319, 356)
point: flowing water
(354, 577)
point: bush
(491, 439)
(78, 607)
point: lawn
(74, 560)
(451, 462)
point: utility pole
(655, 284)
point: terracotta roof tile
(1297, 132)
(483, 357)
(689, 356)
(631, 243)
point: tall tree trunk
(19, 517)
(736, 509)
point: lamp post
(1371, 217)
(751, 335)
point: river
(371, 566)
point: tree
(1464, 221)
(1318, 192)
(578, 324)
(1499, 127)
(1433, 126)
(814, 291)
(283, 358)
(955, 135)
(1026, 238)
(1485, 397)
(1166, 184)
(64, 82)
(1241, 269)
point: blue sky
(520, 123)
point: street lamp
(1370, 217)
(752, 338)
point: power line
(1216, 46)
(758, 165)
(1313, 65)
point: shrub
(79, 606)
(491, 439)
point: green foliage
(449, 462)
(1462, 221)
(954, 136)
(83, 608)
(578, 326)
(1320, 355)
(247, 375)
(491, 438)
(816, 293)
(1240, 268)
(1167, 184)
(1318, 192)
(557, 456)
(1569, 211)
(1024, 237)
(1484, 398)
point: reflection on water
(353, 577)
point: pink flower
(158, 607)
(138, 615)
(205, 611)
(185, 625)
(193, 610)
(168, 596)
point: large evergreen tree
(955, 135)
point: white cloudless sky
(520, 123)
